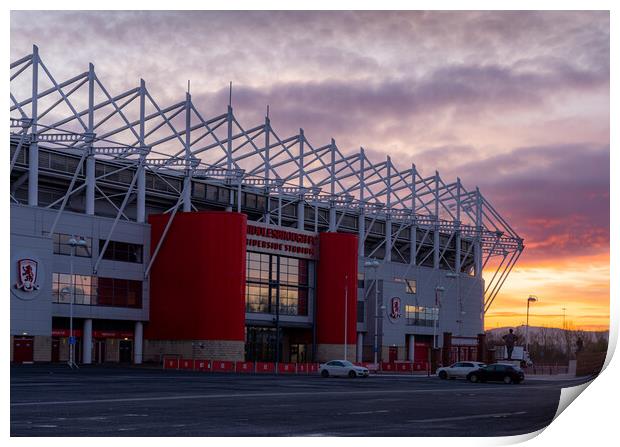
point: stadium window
(264, 285)
(250, 200)
(63, 247)
(410, 285)
(223, 195)
(199, 190)
(261, 202)
(212, 193)
(121, 251)
(360, 311)
(119, 292)
(82, 288)
(421, 316)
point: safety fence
(551, 369)
(227, 366)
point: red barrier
(171, 363)
(420, 366)
(222, 366)
(186, 364)
(265, 367)
(286, 368)
(368, 365)
(404, 367)
(244, 367)
(202, 365)
(313, 367)
(302, 368)
(388, 367)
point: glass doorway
(260, 344)
(125, 351)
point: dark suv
(497, 372)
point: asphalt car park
(115, 401)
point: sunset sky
(514, 102)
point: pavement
(53, 400)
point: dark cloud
(557, 197)
(431, 88)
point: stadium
(141, 230)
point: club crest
(395, 312)
(27, 275)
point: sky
(516, 103)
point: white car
(342, 368)
(458, 369)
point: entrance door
(125, 351)
(393, 353)
(55, 349)
(298, 353)
(23, 350)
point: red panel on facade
(337, 275)
(197, 282)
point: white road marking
(370, 412)
(251, 395)
(474, 416)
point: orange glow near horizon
(581, 285)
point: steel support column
(90, 157)
(33, 150)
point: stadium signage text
(281, 241)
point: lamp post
(73, 243)
(459, 301)
(374, 264)
(346, 303)
(438, 290)
(530, 299)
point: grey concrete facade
(460, 306)
(32, 313)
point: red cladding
(197, 283)
(337, 273)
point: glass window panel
(250, 200)
(302, 304)
(212, 193)
(223, 195)
(199, 190)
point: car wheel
(473, 378)
(507, 380)
(443, 375)
(324, 373)
(352, 374)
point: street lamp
(374, 264)
(74, 243)
(459, 300)
(346, 303)
(530, 299)
(438, 289)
